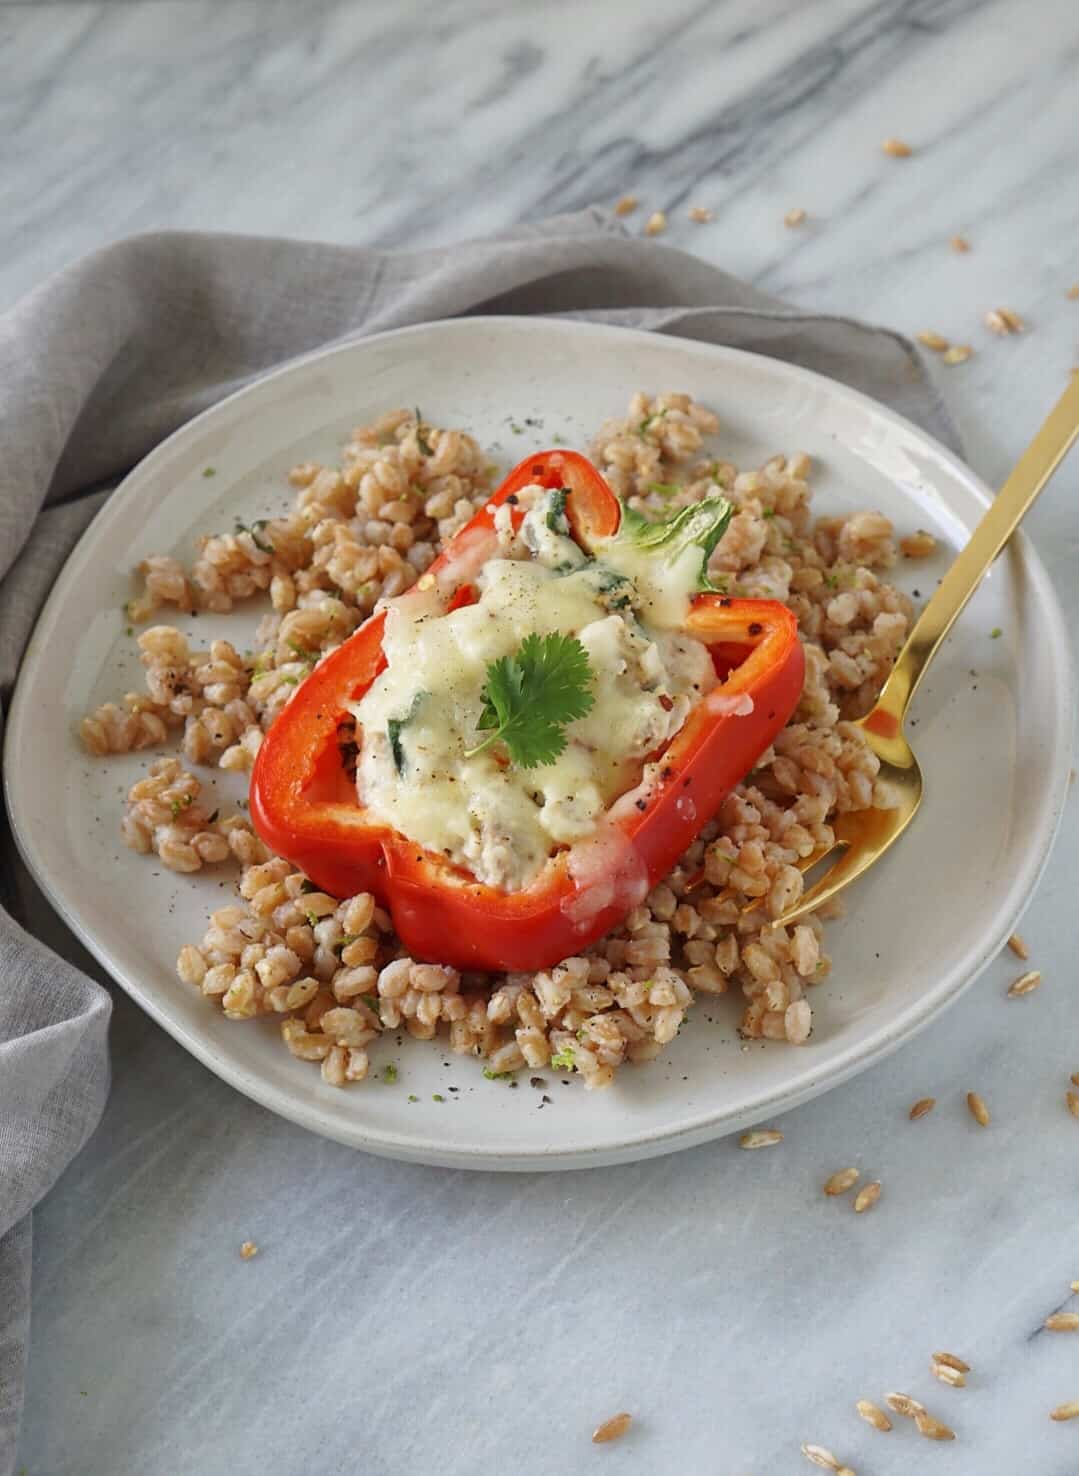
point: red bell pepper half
(305, 806)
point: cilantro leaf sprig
(529, 698)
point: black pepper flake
(724, 604)
(687, 781)
(513, 499)
(536, 1081)
(755, 628)
(642, 804)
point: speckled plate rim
(699, 1127)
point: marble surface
(407, 1320)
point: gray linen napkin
(110, 356)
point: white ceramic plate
(993, 726)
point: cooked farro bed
(332, 971)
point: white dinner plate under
(993, 725)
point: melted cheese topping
(419, 718)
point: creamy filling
(419, 718)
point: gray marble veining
(404, 1320)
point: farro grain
(959, 243)
(1069, 1411)
(656, 223)
(1074, 1078)
(627, 205)
(978, 1110)
(700, 214)
(1004, 321)
(951, 1361)
(867, 1197)
(948, 1375)
(896, 148)
(919, 545)
(1025, 983)
(933, 341)
(1072, 1099)
(1062, 1322)
(841, 1181)
(248, 1249)
(903, 1404)
(921, 1107)
(1018, 947)
(873, 1415)
(932, 1428)
(959, 353)
(612, 1429)
(761, 1138)
(819, 1455)
(1075, 1286)
(795, 217)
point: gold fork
(863, 836)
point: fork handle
(1033, 469)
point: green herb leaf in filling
(702, 524)
(530, 698)
(393, 731)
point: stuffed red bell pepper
(513, 753)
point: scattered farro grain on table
(1025, 984)
(921, 1107)
(761, 1138)
(933, 341)
(959, 353)
(1062, 1322)
(1074, 1285)
(873, 1415)
(1003, 321)
(248, 1249)
(819, 1455)
(959, 243)
(841, 1181)
(1073, 293)
(1018, 947)
(932, 1428)
(656, 223)
(867, 1197)
(700, 214)
(612, 1429)
(627, 205)
(978, 1110)
(1069, 1411)
(1072, 1099)
(895, 148)
(903, 1404)
(948, 1375)
(950, 1360)
(795, 217)
(1074, 1078)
